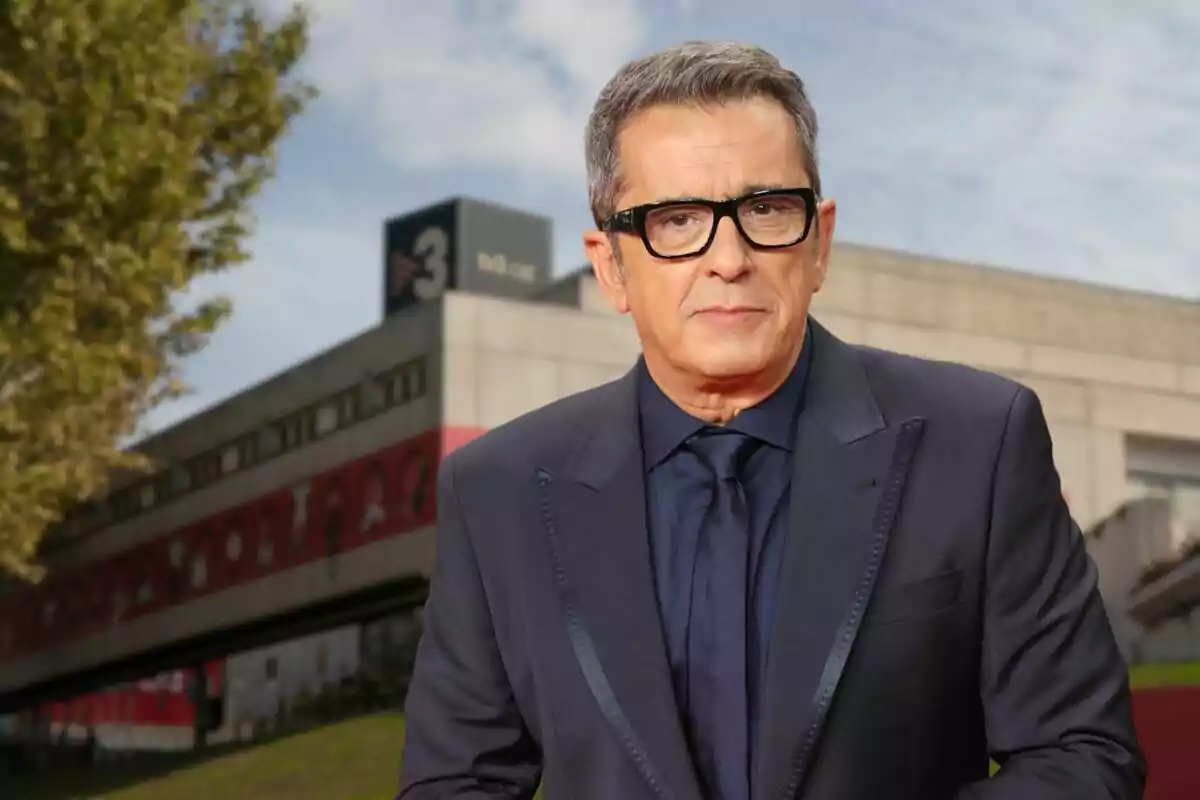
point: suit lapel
(850, 468)
(594, 512)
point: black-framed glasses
(768, 219)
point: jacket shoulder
(928, 387)
(541, 436)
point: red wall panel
(162, 700)
(1168, 725)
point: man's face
(734, 311)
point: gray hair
(689, 74)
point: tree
(133, 136)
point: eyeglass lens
(766, 220)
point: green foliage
(133, 136)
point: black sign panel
(419, 256)
(505, 252)
(468, 245)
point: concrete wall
(1106, 363)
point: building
(318, 483)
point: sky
(1059, 137)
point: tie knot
(723, 451)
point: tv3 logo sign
(427, 269)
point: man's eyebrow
(749, 188)
(674, 198)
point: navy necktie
(717, 687)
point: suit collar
(594, 517)
(839, 396)
(611, 438)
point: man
(765, 563)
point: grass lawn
(358, 759)
(1151, 676)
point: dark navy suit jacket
(935, 606)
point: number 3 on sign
(432, 246)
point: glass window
(163, 490)
(269, 441)
(349, 407)
(1187, 504)
(326, 419)
(181, 479)
(1182, 493)
(374, 397)
(247, 449)
(230, 459)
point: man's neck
(718, 401)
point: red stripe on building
(387, 493)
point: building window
(269, 442)
(291, 431)
(403, 383)
(374, 397)
(247, 450)
(230, 460)
(1169, 469)
(1187, 504)
(349, 407)
(181, 479)
(123, 503)
(163, 489)
(204, 469)
(325, 420)
(1182, 493)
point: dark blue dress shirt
(677, 499)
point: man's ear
(825, 222)
(607, 267)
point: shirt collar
(665, 426)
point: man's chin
(731, 366)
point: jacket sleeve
(1055, 689)
(465, 738)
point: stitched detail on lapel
(906, 445)
(585, 653)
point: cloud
(1058, 137)
(453, 85)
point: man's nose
(729, 255)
